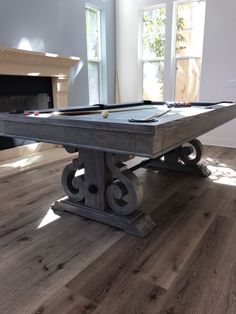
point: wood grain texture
(72, 265)
(133, 295)
(96, 175)
(121, 259)
(166, 258)
(65, 302)
(117, 134)
(207, 284)
(31, 161)
(83, 138)
(24, 150)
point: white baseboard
(218, 141)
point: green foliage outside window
(154, 22)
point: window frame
(170, 45)
(151, 60)
(98, 60)
(188, 57)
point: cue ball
(105, 113)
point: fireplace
(25, 92)
(32, 80)
(22, 93)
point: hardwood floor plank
(186, 265)
(53, 263)
(226, 194)
(100, 277)
(16, 210)
(227, 153)
(22, 164)
(162, 263)
(159, 187)
(66, 302)
(133, 296)
(223, 157)
(27, 178)
(227, 200)
(208, 282)
(197, 186)
(29, 185)
(213, 151)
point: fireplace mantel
(23, 62)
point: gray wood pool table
(97, 183)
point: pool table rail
(147, 140)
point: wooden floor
(72, 265)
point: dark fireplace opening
(23, 93)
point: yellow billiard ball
(105, 113)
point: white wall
(218, 65)
(59, 26)
(127, 59)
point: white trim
(154, 59)
(154, 6)
(97, 60)
(187, 57)
(92, 6)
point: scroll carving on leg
(183, 159)
(191, 152)
(106, 192)
(125, 194)
(74, 186)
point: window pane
(187, 79)
(190, 28)
(93, 76)
(154, 22)
(153, 73)
(93, 33)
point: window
(154, 22)
(93, 31)
(188, 52)
(175, 46)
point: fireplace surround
(32, 80)
(22, 93)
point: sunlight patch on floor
(24, 162)
(210, 161)
(48, 218)
(223, 175)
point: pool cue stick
(157, 115)
(100, 110)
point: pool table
(97, 183)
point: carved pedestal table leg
(98, 186)
(183, 159)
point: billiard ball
(105, 113)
